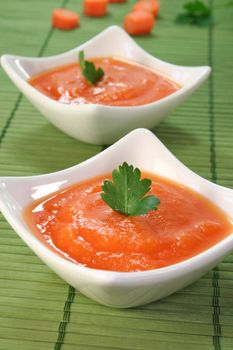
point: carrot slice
(152, 6)
(139, 22)
(65, 19)
(95, 8)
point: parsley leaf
(125, 193)
(89, 70)
(197, 12)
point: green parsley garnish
(197, 12)
(89, 70)
(125, 193)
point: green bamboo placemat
(37, 309)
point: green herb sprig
(89, 70)
(196, 12)
(125, 193)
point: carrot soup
(79, 225)
(124, 83)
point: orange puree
(77, 223)
(123, 84)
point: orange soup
(78, 224)
(123, 84)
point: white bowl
(101, 124)
(118, 289)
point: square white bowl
(118, 289)
(95, 123)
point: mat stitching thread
(65, 319)
(20, 96)
(215, 279)
(9, 120)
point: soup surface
(123, 84)
(78, 224)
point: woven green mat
(37, 309)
